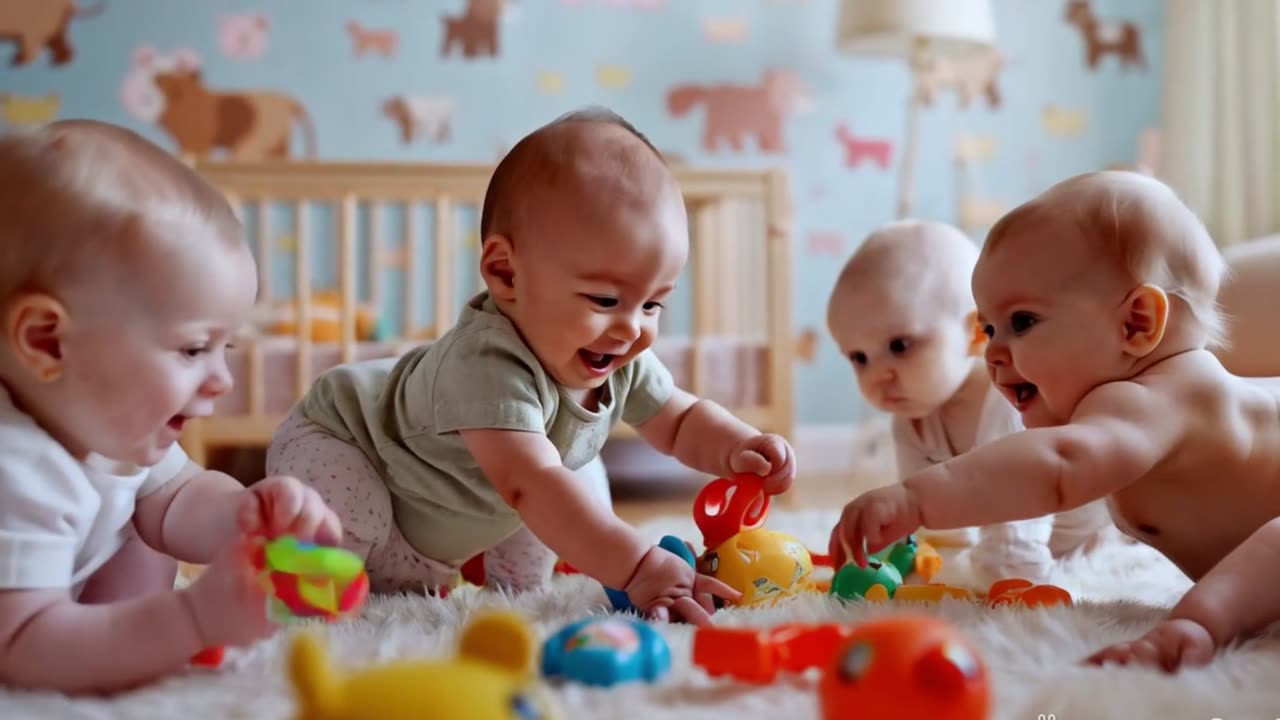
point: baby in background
(122, 278)
(903, 313)
(467, 445)
(1099, 297)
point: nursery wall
(419, 80)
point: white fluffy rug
(1033, 654)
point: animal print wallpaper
(1073, 87)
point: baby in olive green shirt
(468, 445)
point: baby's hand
(283, 505)
(878, 517)
(1169, 645)
(227, 603)
(664, 583)
(766, 455)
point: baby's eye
(989, 330)
(858, 357)
(653, 306)
(603, 301)
(898, 346)
(1021, 322)
(194, 352)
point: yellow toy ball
(763, 565)
(493, 677)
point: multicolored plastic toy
(303, 580)
(905, 666)
(492, 678)
(763, 565)
(606, 651)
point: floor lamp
(923, 32)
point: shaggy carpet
(1033, 654)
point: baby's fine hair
(907, 264)
(1142, 225)
(530, 163)
(76, 195)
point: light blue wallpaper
(357, 65)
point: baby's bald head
(907, 270)
(89, 201)
(590, 162)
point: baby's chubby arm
(706, 437)
(526, 469)
(200, 511)
(1118, 433)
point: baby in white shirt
(903, 312)
(123, 276)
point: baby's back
(1222, 480)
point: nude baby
(1099, 299)
(467, 446)
(902, 312)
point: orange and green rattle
(304, 580)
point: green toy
(901, 555)
(852, 581)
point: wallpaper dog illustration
(33, 25)
(475, 30)
(858, 149)
(367, 40)
(248, 125)
(1123, 39)
(734, 112)
(970, 76)
(416, 117)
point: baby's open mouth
(177, 422)
(595, 360)
(1023, 393)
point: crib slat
(347, 277)
(705, 282)
(445, 242)
(778, 276)
(266, 248)
(376, 258)
(302, 283)
(257, 380)
(410, 322)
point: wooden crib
(361, 260)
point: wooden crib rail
(733, 281)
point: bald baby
(903, 313)
(474, 438)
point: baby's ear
(497, 268)
(1145, 317)
(33, 327)
(977, 336)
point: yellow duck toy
(493, 677)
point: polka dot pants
(348, 482)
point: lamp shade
(892, 27)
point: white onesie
(62, 519)
(1023, 548)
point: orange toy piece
(932, 592)
(1018, 590)
(757, 655)
(905, 666)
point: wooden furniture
(365, 260)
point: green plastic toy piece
(852, 581)
(288, 555)
(901, 555)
